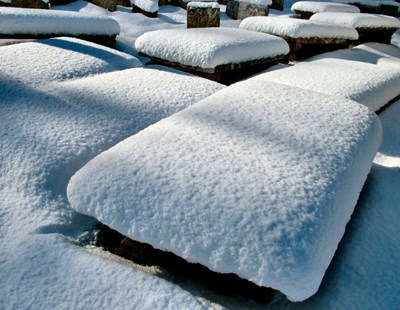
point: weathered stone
(390, 9)
(126, 3)
(110, 5)
(277, 5)
(32, 4)
(162, 2)
(61, 2)
(203, 17)
(240, 10)
(136, 9)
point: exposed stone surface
(277, 5)
(202, 17)
(34, 4)
(124, 3)
(110, 5)
(61, 2)
(241, 10)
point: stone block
(240, 9)
(110, 5)
(126, 3)
(203, 15)
(277, 5)
(61, 2)
(32, 4)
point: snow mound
(316, 7)
(16, 21)
(258, 179)
(334, 74)
(357, 20)
(297, 28)
(210, 47)
(60, 59)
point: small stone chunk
(203, 14)
(110, 5)
(126, 3)
(32, 4)
(237, 9)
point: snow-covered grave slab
(215, 53)
(305, 37)
(357, 74)
(29, 23)
(370, 27)
(258, 179)
(148, 8)
(307, 8)
(60, 59)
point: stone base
(136, 9)
(390, 10)
(110, 5)
(380, 35)
(277, 5)
(203, 17)
(31, 4)
(61, 2)
(241, 10)
(162, 2)
(126, 3)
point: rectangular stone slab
(259, 179)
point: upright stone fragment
(240, 9)
(203, 14)
(110, 5)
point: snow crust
(297, 28)
(316, 7)
(146, 5)
(258, 179)
(257, 2)
(210, 47)
(36, 21)
(48, 129)
(369, 78)
(357, 20)
(195, 4)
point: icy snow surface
(357, 20)
(150, 6)
(316, 7)
(210, 47)
(50, 127)
(358, 74)
(35, 21)
(258, 179)
(297, 28)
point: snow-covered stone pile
(258, 179)
(28, 22)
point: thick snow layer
(60, 59)
(316, 7)
(365, 273)
(49, 128)
(258, 179)
(297, 28)
(40, 22)
(150, 6)
(210, 47)
(357, 20)
(359, 79)
(195, 5)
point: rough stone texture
(126, 3)
(162, 2)
(391, 10)
(241, 10)
(32, 4)
(61, 2)
(110, 5)
(203, 17)
(277, 5)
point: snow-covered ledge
(259, 179)
(211, 52)
(28, 23)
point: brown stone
(61, 2)
(202, 17)
(241, 10)
(32, 4)
(110, 5)
(126, 3)
(277, 5)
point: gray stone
(277, 5)
(241, 10)
(110, 5)
(203, 17)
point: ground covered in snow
(59, 109)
